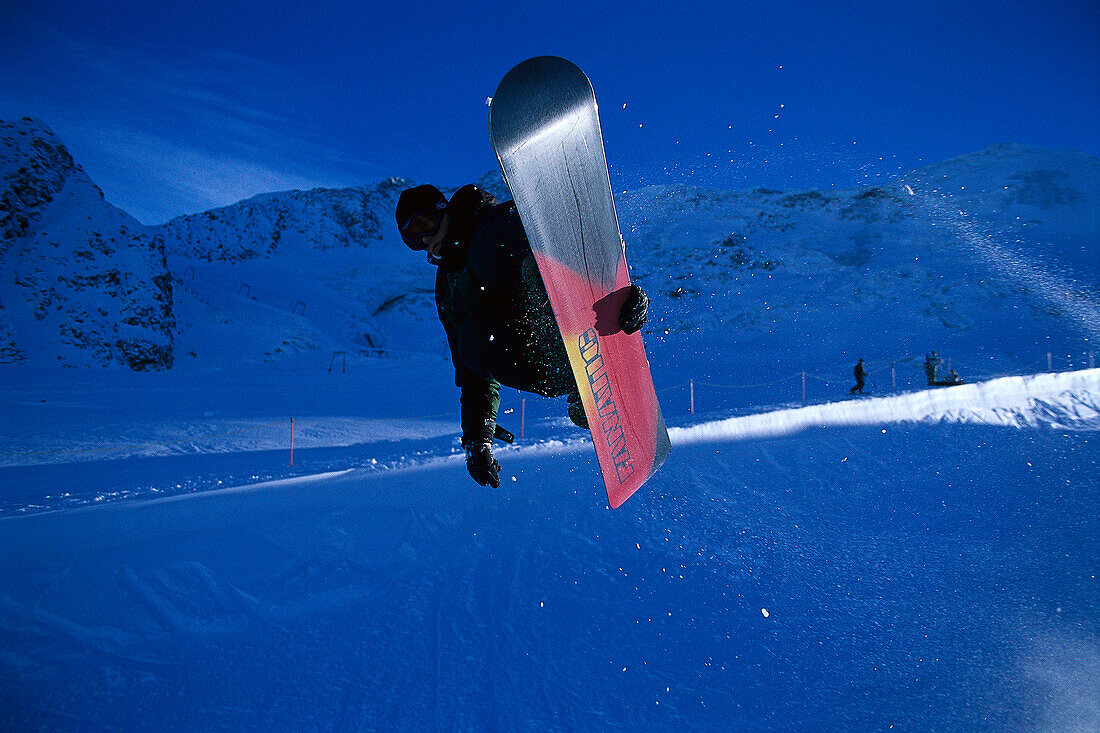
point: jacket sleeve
(480, 397)
(480, 400)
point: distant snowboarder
(931, 364)
(493, 306)
(951, 380)
(860, 375)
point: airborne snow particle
(765, 612)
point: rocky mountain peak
(82, 283)
(34, 165)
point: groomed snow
(923, 561)
(1065, 401)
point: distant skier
(860, 375)
(494, 308)
(931, 364)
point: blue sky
(177, 107)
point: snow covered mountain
(936, 259)
(990, 256)
(898, 266)
(274, 224)
(81, 282)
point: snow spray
(1069, 296)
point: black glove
(635, 310)
(482, 466)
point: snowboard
(544, 127)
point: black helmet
(416, 201)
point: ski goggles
(422, 225)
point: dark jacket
(481, 288)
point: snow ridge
(1062, 401)
(82, 282)
(267, 225)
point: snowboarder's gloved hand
(482, 466)
(635, 310)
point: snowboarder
(494, 308)
(952, 379)
(860, 375)
(931, 363)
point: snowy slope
(922, 559)
(884, 273)
(932, 576)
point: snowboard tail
(545, 129)
(612, 374)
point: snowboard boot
(576, 410)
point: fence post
(691, 390)
(803, 387)
(292, 441)
(1092, 363)
(1050, 362)
(522, 417)
(894, 377)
